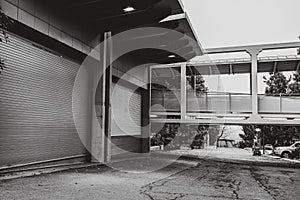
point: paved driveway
(234, 154)
(186, 180)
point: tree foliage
(5, 23)
(277, 84)
(197, 82)
(198, 140)
(249, 135)
(294, 87)
(275, 135)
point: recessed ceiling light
(129, 9)
(171, 56)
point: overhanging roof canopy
(98, 16)
(181, 42)
(109, 15)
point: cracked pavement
(185, 180)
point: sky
(221, 23)
(243, 22)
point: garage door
(126, 120)
(36, 121)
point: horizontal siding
(36, 119)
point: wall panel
(36, 119)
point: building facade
(48, 42)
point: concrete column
(97, 123)
(101, 135)
(145, 140)
(254, 86)
(107, 61)
(183, 91)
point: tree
(268, 134)
(5, 23)
(277, 84)
(197, 83)
(165, 135)
(198, 140)
(294, 87)
(249, 135)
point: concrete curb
(42, 171)
(242, 162)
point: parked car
(286, 152)
(269, 149)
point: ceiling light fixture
(128, 9)
(171, 56)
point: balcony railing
(218, 102)
(169, 101)
(279, 104)
(213, 102)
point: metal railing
(218, 102)
(224, 102)
(283, 104)
(169, 100)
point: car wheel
(286, 155)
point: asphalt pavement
(234, 155)
(181, 179)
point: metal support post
(107, 62)
(254, 88)
(183, 91)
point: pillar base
(255, 118)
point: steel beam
(107, 60)
(274, 67)
(245, 48)
(230, 69)
(216, 121)
(298, 66)
(183, 91)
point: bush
(198, 141)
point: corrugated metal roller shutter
(126, 119)
(126, 111)
(36, 121)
